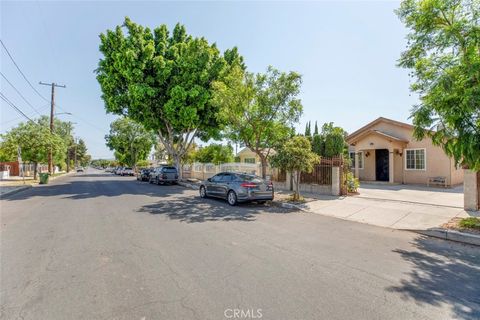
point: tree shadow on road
(443, 273)
(196, 209)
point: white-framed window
(249, 160)
(415, 159)
(360, 159)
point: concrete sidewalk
(384, 213)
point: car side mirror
(209, 179)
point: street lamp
(60, 113)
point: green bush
(470, 223)
(352, 182)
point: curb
(9, 193)
(289, 206)
(452, 235)
(188, 185)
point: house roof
(388, 136)
(367, 129)
(248, 150)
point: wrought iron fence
(322, 172)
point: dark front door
(381, 164)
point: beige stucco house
(385, 150)
(246, 155)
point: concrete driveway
(451, 197)
(395, 206)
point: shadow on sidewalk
(436, 265)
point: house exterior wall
(437, 162)
(248, 154)
(368, 171)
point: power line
(14, 106)
(20, 94)
(18, 118)
(23, 75)
(40, 95)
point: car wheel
(261, 202)
(232, 198)
(203, 192)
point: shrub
(352, 182)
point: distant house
(385, 150)
(246, 155)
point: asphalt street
(98, 246)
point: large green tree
(163, 81)
(64, 129)
(259, 109)
(443, 55)
(330, 141)
(130, 141)
(34, 140)
(215, 153)
(296, 156)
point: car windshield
(169, 169)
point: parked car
(144, 174)
(80, 169)
(163, 174)
(237, 187)
(118, 170)
(109, 169)
(127, 172)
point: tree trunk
(295, 180)
(68, 161)
(178, 165)
(34, 171)
(264, 163)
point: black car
(144, 174)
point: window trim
(425, 159)
(363, 159)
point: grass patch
(470, 223)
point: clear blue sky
(346, 52)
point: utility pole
(52, 114)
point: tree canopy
(330, 141)
(34, 141)
(163, 81)
(259, 109)
(443, 55)
(215, 153)
(130, 141)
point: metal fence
(322, 172)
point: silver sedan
(237, 187)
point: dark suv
(164, 174)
